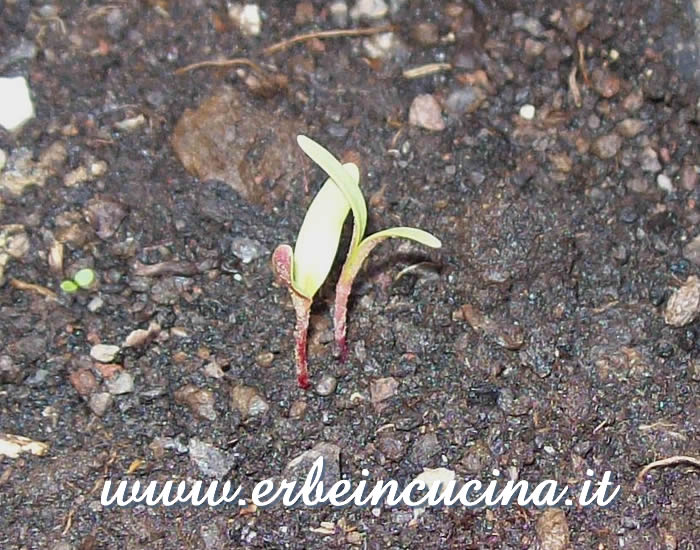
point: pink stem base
(302, 307)
(340, 312)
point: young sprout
(359, 247)
(304, 270)
(84, 278)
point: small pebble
(104, 353)
(684, 304)
(552, 530)
(248, 402)
(213, 370)
(130, 124)
(98, 168)
(605, 83)
(83, 381)
(689, 177)
(139, 337)
(634, 101)
(265, 358)
(339, 13)
(527, 111)
(382, 389)
(95, 304)
(607, 146)
(326, 385)
(630, 127)
(425, 113)
(465, 100)
(10, 372)
(247, 17)
(580, 18)
(199, 401)
(3, 159)
(100, 402)
(303, 13)
(691, 251)
(298, 409)
(210, 460)
(664, 183)
(75, 177)
(121, 383)
(529, 24)
(650, 160)
(247, 249)
(16, 107)
(380, 46)
(369, 9)
(533, 48)
(426, 34)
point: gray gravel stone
(247, 249)
(210, 460)
(369, 9)
(465, 100)
(650, 160)
(100, 402)
(326, 385)
(606, 147)
(691, 251)
(122, 382)
(248, 401)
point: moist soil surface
(539, 341)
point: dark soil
(533, 342)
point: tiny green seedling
(84, 278)
(305, 269)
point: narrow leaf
(345, 179)
(418, 235)
(319, 235)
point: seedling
(304, 270)
(84, 278)
(360, 247)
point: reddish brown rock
(238, 141)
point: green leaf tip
(84, 277)
(344, 178)
(68, 287)
(418, 235)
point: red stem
(302, 308)
(352, 266)
(340, 312)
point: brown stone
(241, 142)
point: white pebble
(16, 106)
(527, 111)
(339, 13)
(369, 9)
(664, 182)
(104, 353)
(95, 304)
(247, 17)
(380, 45)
